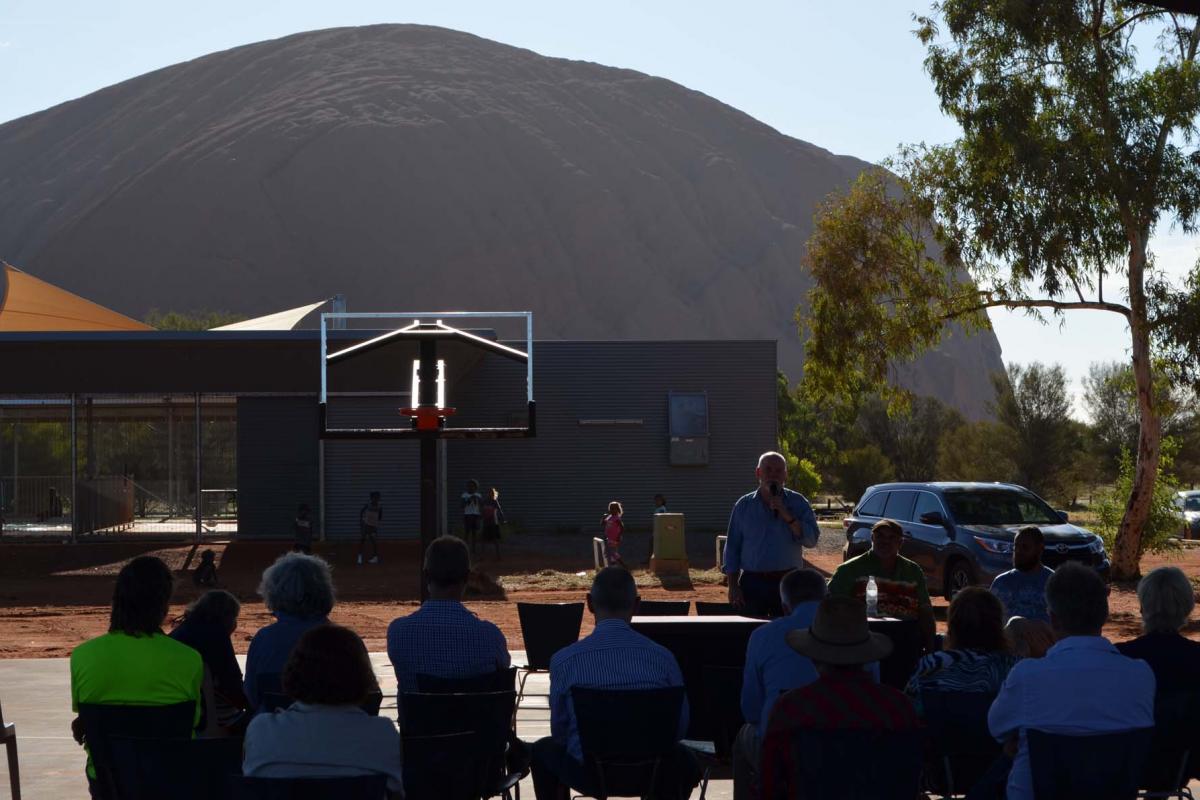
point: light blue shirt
(614, 656)
(1024, 593)
(772, 667)
(759, 541)
(1082, 686)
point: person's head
(299, 585)
(1167, 599)
(772, 469)
(839, 637)
(208, 557)
(1028, 545)
(976, 622)
(447, 565)
(141, 597)
(329, 666)
(374, 498)
(801, 586)
(886, 536)
(1078, 601)
(1029, 638)
(613, 595)
(615, 508)
(472, 485)
(494, 493)
(217, 607)
(659, 500)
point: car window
(926, 502)
(988, 507)
(900, 506)
(873, 507)
(1191, 503)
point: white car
(1189, 508)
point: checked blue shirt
(443, 638)
(613, 656)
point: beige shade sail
(30, 304)
(279, 321)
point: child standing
(493, 516)
(614, 529)
(302, 527)
(368, 523)
(472, 508)
(205, 573)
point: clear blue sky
(845, 76)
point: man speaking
(764, 528)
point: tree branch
(1078, 291)
(1151, 13)
(1057, 305)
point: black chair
(504, 680)
(704, 609)
(961, 749)
(546, 628)
(487, 716)
(270, 702)
(723, 700)
(102, 722)
(433, 767)
(857, 764)
(270, 684)
(626, 736)
(364, 787)
(663, 608)
(1105, 766)
(1176, 746)
(182, 769)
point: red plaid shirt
(837, 701)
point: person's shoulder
(92, 647)
(1003, 578)
(851, 564)
(911, 567)
(745, 499)
(792, 495)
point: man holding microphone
(764, 528)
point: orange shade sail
(30, 304)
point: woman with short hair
(207, 627)
(325, 733)
(1167, 599)
(298, 591)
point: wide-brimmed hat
(839, 634)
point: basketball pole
(427, 396)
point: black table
(897, 668)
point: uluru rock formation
(412, 167)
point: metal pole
(199, 454)
(443, 523)
(427, 396)
(74, 472)
(321, 486)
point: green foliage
(804, 478)
(1110, 398)
(861, 467)
(190, 320)
(1164, 523)
(805, 431)
(909, 436)
(976, 451)
(1034, 407)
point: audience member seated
(135, 663)
(844, 697)
(1167, 599)
(1022, 589)
(900, 582)
(613, 656)
(442, 638)
(325, 733)
(207, 627)
(772, 667)
(976, 657)
(1028, 638)
(1082, 686)
(298, 590)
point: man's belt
(775, 575)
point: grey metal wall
(276, 462)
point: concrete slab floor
(35, 694)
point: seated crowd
(815, 668)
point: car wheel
(958, 577)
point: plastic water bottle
(872, 597)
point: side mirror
(1064, 516)
(932, 518)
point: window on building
(689, 414)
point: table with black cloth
(697, 642)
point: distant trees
(190, 320)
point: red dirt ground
(52, 597)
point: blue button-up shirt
(772, 667)
(1082, 686)
(445, 639)
(759, 541)
(270, 648)
(613, 656)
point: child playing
(493, 516)
(302, 528)
(205, 573)
(368, 522)
(613, 530)
(472, 504)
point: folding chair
(499, 681)
(663, 608)
(1105, 766)
(364, 787)
(433, 767)
(182, 769)
(961, 747)
(8, 734)
(879, 765)
(1176, 744)
(102, 722)
(546, 628)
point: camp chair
(364, 787)
(961, 749)
(1106, 766)
(182, 769)
(546, 628)
(102, 722)
(8, 734)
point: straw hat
(839, 635)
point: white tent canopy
(279, 321)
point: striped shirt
(443, 638)
(613, 656)
(959, 671)
(836, 701)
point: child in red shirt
(613, 530)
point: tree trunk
(1126, 554)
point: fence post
(74, 473)
(199, 476)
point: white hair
(1167, 599)
(771, 454)
(298, 584)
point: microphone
(775, 493)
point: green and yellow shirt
(902, 593)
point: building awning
(279, 321)
(30, 304)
